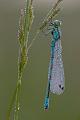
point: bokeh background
(63, 107)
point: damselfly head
(53, 25)
(56, 23)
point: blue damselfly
(56, 71)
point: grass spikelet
(21, 29)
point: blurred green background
(63, 107)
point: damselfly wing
(57, 77)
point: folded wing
(57, 82)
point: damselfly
(56, 70)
